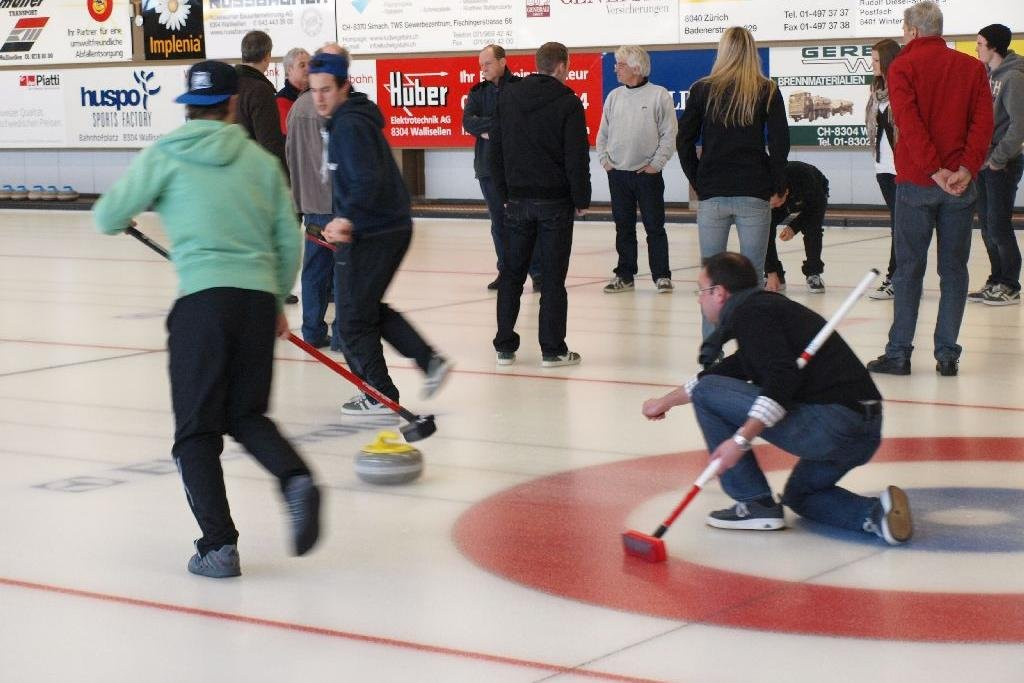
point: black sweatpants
(363, 271)
(221, 344)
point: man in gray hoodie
(1000, 176)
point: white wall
(449, 173)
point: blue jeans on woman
(752, 217)
(829, 440)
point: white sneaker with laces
(618, 285)
(568, 358)
(363, 406)
(884, 292)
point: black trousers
(812, 234)
(363, 270)
(546, 225)
(221, 344)
(887, 184)
(629, 190)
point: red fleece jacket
(942, 108)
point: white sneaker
(437, 372)
(884, 292)
(618, 285)
(664, 285)
(365, 407)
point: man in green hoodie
(235, 246)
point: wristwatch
(741, 441)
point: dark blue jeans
(363, 270)
(496, 210)
(997, 191)
(317, 286)
(629, 190)
(829, 440)
(544, 228)
(812, 236)
(919, 212)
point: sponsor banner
(600, 22)
(173, 29)
(31, 108)
(825, 89)
(289, 23)
(969, 47)
(38, 32)
(422, 99)
(122, 107)
(428, 25)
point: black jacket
(367, 186)
(771, 332)
(257, 111)
(808, 197)
(478, 118)
(539, 147)
(733, 161)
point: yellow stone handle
(387, 443)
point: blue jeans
(919, 212)
(630, 189)
(752, 217)
(829, 440)
(496, 210)
(536, 229)
(997, 191)
(317, 286)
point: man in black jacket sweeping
(540, 163)
(372, 227)
(829, 415)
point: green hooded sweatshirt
(224, 204)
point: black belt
(869, 409)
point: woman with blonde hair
(882, 139)
(739, 175)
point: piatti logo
(39, 80)
(24, 34)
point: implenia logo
(24, 34)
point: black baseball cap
(209, 83)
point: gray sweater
(304, 149)
(1007, 83)
(638, 128)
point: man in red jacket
(942, 110)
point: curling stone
(389, 461)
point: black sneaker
(750, 515)
(222, 563)
(889, 366)
(493, 285)
(506, 357)
(303, 499)
(891, 521)
(948, 367)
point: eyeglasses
(698, 292)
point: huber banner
(422, 99)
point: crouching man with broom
(829, 415)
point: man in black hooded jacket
(540, 163)
(372, 227)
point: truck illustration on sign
(804, 105)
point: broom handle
(830, 326)
(707, 475)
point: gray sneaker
(506, 357)
(750, 515)
(568, 358)
(891, 521)
(437, 372)
(664, 285)
(1001, 295)
(618, 285)
(979, 296)
(303, 500)
(221, 563)
(815, 284)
